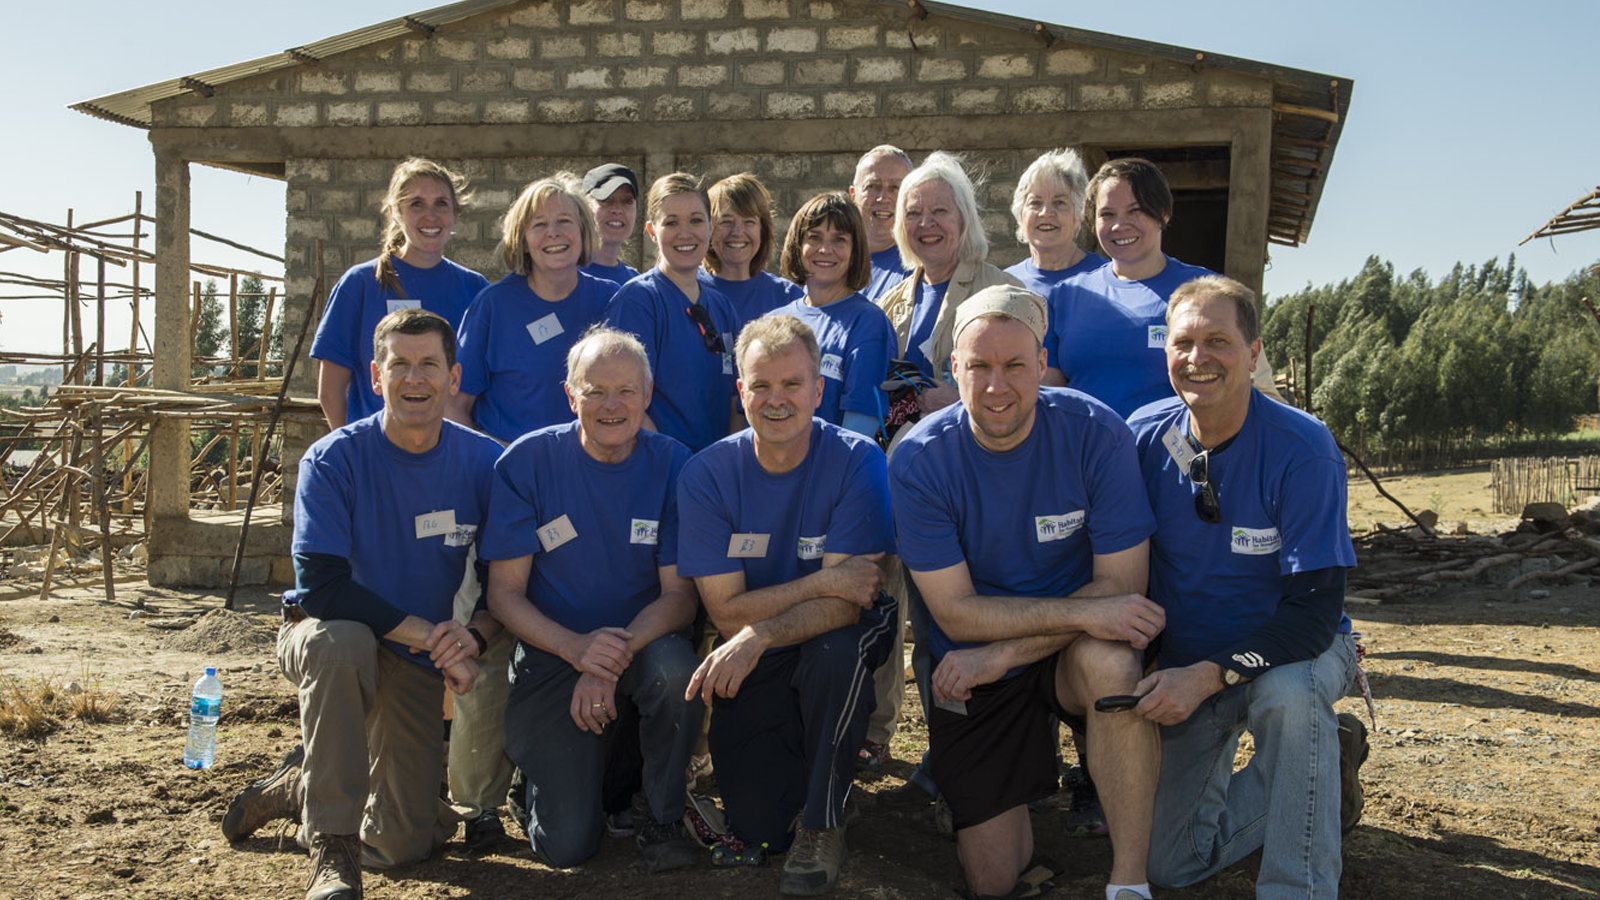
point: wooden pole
(98, 493)
(100, 323)
(266, 333)
(194, 325)
(272, 424)
(233, 321)
(1311, 317)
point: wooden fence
(1558, 479)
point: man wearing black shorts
(1025, 525)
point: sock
(1142, 890)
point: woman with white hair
(1046, 206)
(937, 226)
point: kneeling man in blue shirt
(582, 540)
(783, 527)
(1249, 561)
(1025, 527)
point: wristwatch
(1230, 678)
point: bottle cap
(211, 670)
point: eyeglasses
(1206, 504)
(708, 331)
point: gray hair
(600, 341)
(1062, 165)
(973, 245)
(890, 150)
(777, 333)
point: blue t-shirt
(621, 273)
(754, 297)
(924, 317)
(857, 343)
(1281, 485)
(888, 270)
(736, 516)
(693, 395)
(1027, 522)
(1040, 281)
(513, 352)
(405, 521)
(1108, 336)
(598, 532)
(344, 336)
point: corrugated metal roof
(1308, 108)
(132, 107)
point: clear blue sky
(1471, 123)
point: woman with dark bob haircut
(826, 253)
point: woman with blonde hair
(741, 245)
(515, 337)
(420, 211)
(687, 326)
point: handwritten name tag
(433, 524)
(544, 328)
(556, 532)
(403, 304)
(748, 546)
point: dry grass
(33, 709)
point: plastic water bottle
(204, 708)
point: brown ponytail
(393, 235)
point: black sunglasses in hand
(708, 331)
(1206, 504)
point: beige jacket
(901, 300)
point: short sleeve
(928, 538)
(512, 529)
(472, 346)
(1119, 515)
(1311, 518)
(704, 524)
(631, 311)
(323, 505)
(341, 320)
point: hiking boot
(871, 756)
(1353, 751)
(517, 800)
(276, 796)
(335, 868)
(813, 863)
(484, 832)
(666, 847)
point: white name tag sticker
(433, 524)
(644, 531)
(727, 363)
(403, 304)
(812, 547)
(927, 351)
(832, 366)
(1058, 527)
(959, 707)
(748, 546)
(1156, 337)
(556, 532)
(1255, 541)
(461, 536)
(544, 328)
(1178, 448)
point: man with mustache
(782, 528)
(1249, 561)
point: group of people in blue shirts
(547, 490)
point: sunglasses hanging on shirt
(1206, 504)
(708, 331)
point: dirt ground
(1483, 782)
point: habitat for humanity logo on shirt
(1256, 541)
(1059, 527)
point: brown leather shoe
(277, 796)
(1353, 749)
(335, 868)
